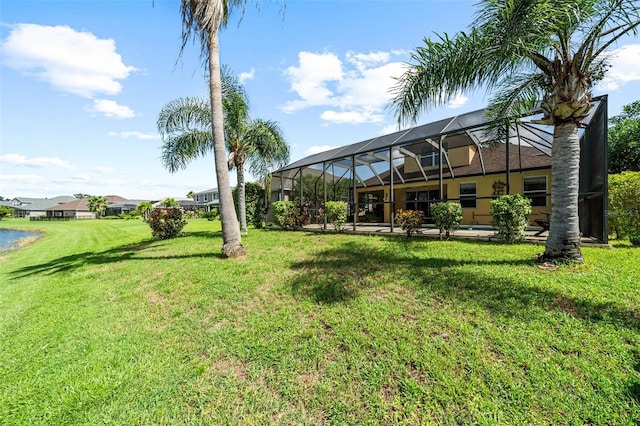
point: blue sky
(82, 83)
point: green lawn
(101, 324)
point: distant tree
(170, 202)
(254, 201)
(624, 140)
(313, 190)
(190, 195)
(145, 207)
(3, 199)
(81, 195)
(97, 204)
(5, 212)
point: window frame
(467, 199)
(537, 194)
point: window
(205, 198)
(468, 194)
(535, 188)
(197, 198)
(429, 156)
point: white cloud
(244, 76)
(625, 67)
(111, 109)
(72, 61)
(357, 89)
(391, 128)
(457, 101)
(309, 79)
(353, 117)
(315, 149)
(37, 162)
(82, 177)
(134, 134)
(104, 170)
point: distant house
(186, 204)
(123, 207)
(35, 207)
(208, 199)
(78, 208)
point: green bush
(337, 214)
(254, 203)
(287, 216)
(447, 216)
(510, 216)
(166, 223)
(624, 205)
(409, 220)
(5, 212)
(211, 214)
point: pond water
(8, 237)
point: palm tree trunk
(242, 199)
(563, 243)
(231, 240)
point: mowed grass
(101, 324)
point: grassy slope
(100, 324)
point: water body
(9, 237)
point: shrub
(510, 217)
(337, 214)
(5, 212)
(624, 205)
(287, 216)
(447, 217)
(254, 203)
(166, 223)
(211, 214)
(409, 220)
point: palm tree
(258, 142)
(184, 124)
(527, 50)
(97, 204)
(144, 208)
(170, 203)
(202, 19)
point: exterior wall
(481, 214)
(459, 156)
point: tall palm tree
(202, 19)
(184, 124)
(527, 51)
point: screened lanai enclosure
(455, 159)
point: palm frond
(183, 115)
(180, 150)
(269, 149)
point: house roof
(471, 126)
(521, 158)
(82, 204)
(37, 204)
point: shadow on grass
(342, 272)
(117, 254)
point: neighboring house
(123, 207)
(78, 208)
(36, 207)
(457, 159)
(208, 199)
(186, 204)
